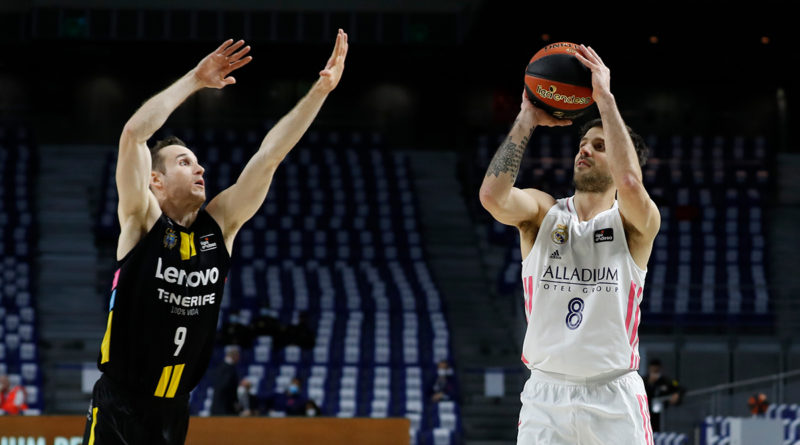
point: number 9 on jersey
(180, 339)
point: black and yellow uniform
(162, 320)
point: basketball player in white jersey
(585, 259)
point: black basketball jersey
(164, 306)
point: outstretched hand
(213, 70)
(601, 74)
(329, 77)
(541, 117)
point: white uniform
(582, 293)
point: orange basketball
(557, 82)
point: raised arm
(507, 204)
(639, 212)
(238, 203)
(137, 206)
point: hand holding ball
(559, 83)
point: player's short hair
(157, 160)
(654, 362)
(642, 150)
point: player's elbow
(270, 155)
(489, 198)
(131, 133)
(629, 182)
(131, 209)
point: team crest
(170, 238)
(560, 235)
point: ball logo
(551, 94)
(560, 235)
(568, 47)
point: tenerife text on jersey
(173, 275)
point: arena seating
(708, 263)
(18, 332)
(337, 241)
(716, 430)
(670, 439)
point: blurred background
(372, 281)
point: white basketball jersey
(582, 294)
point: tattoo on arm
(507, 159)
(525, 139)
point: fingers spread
(238, 64)
(239, 54)
(224, 44)
(229, 50)
(583, 60)
(589, 54)
(594, 53)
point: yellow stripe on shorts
(176, 380)
(94, 423)
(163, 381)
(106, 344)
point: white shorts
(557, 409)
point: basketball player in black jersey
(173, 256)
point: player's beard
(592, 181)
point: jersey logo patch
(207, 243)
(555, 256)
(560, 235)
(187, 246)
(170, 238)
(604, 235)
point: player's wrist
(196, 82)
(319, 88)
(527, 117)
(604, 99)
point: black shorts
(118, 416)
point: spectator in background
(12, 398)
(312, 410)
(226, 381)
(299, 334)
(291, 402)
(443, 387)
(234, 332)
(758, 404)
(661, 391)
(247, 401)
(266, 323)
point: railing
(728, 399)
